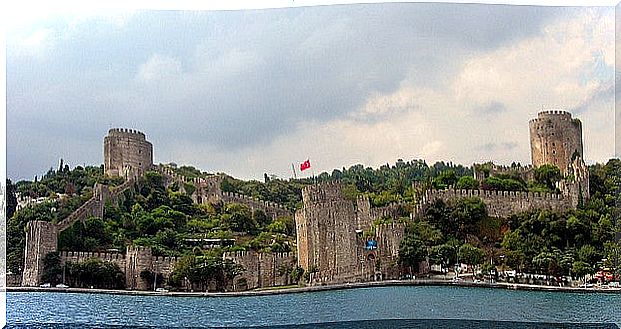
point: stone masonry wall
(262, 269)
(208, 191)
(330, 236)
(389, 237)
(126, 151)
(41, 239)
(136, 260)
(555, 137)
(78, 257)
(504, 203)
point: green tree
(467, 183)
(412, 251)
(581, 269)
(471, 255)
(548, 175)
(11, 199)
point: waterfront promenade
(302, 289)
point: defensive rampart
(504, 203)
(262, 269)
(334, 236)
(208, 190)
(132, 263)
(42, 237)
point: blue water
(414, 302)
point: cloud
(491, 108)
(249, 92)
(159, 68)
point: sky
(249, 92)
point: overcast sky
(251, 92)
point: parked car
(161, 290)
(62, 285)
(46, 285)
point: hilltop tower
(555, 138)
(126, 152)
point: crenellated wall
(504, 203)
(271, 209)
(262, 269)
(133, 262)
(331, 236)
(527, 173)
(208, 191)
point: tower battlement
(555, 139)
(126, 152)
(322, 192)
(126, 132)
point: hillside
(167, 221)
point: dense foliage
(574, 242)
(167, 220)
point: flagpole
(293, 169)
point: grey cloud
(492, 108)
(246, 76)
(494, 147)
(604, 93)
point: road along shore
(291, 290)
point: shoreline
(342, 286)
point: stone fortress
(333, 232)
(329, 240)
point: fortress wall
(92, 207)
(137, 259)
(304, 245)
(271, 209)
(504, 203)
(393, 210)
(77, 257)
(389, 237)
(262, 269)
(329, 244)
(163, 265)
(363, 212)
(41, 239)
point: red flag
(304, 165)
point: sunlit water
(414, 302)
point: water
(413, 302)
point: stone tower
(138, 259)
(41, 239)
(126, 152)
(555, 138)
(326, 234)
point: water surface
(398, 302)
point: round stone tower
(126, 152)
(555, 138)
